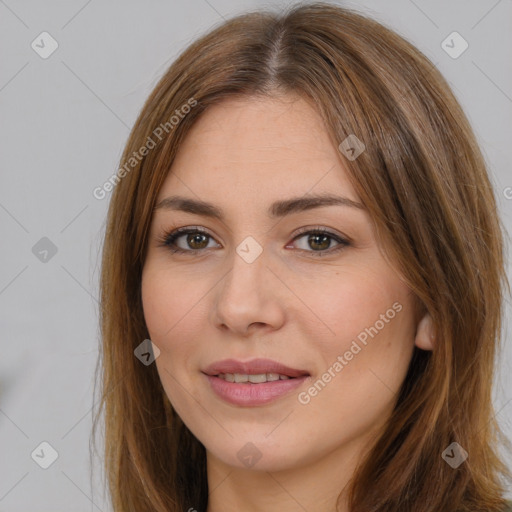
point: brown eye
(194, 240)
(197, 240)
(318, 242)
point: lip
(249, 394)
(253, 367)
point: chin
(257, 452)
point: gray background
(64, 122)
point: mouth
(255, 371)
(258, 378)
(252, 383)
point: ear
(425, 336)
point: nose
(249, 297)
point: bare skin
(290, 304)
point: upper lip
(253, 367)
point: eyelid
(321, 229)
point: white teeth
(255, 379)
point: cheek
(359, 382)
(166, 301)
(167, 314)
(370, 362)
(366, 353)
(352, 300)
(155, 302)
(174, 315)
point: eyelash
(169, 238)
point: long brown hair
(426, 187)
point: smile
(253, 383)
(252, 379)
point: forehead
(258, 146)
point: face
(297, 294)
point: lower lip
(253, 394)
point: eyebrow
(276, 209)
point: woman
(303, 226)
